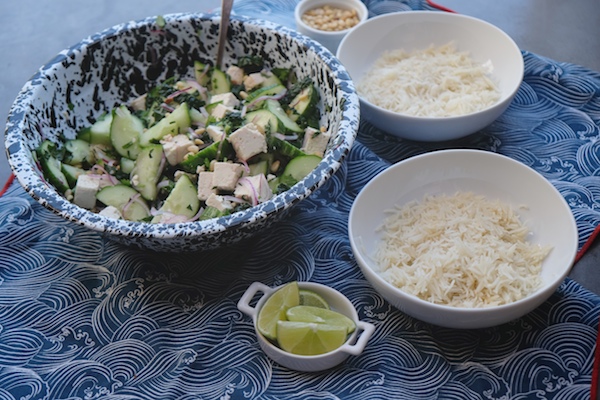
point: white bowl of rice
(463, 238)
(430, 75)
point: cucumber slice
(183, 199)
(260, 167)
(78, 152)
(51, 166)
(125, 132)
(127, 165)
(120, 196)
(271, 80)
(304, 102)
(147, 170)
(286, 122)
(173, 124)
(299, 167)
(197, 118)
(202, 73)
(219, 82)
(98, 132)
(212, 212)
(71, 173)
(264, 119)
(216, 151)
(273, 184)
(270, 90)
(284, 148)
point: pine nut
(331, 18)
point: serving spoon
(226, 6)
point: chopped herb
(283, 74)
(251, 64)
(285, 183)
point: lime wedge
(275, 308)
(310, 298)
(307, 338)
(320, 316)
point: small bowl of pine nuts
(328, 21)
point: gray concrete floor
(34, 31)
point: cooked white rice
(434, 82)
(461, 250)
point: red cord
(587, 244)
(439, 7)
(596, 367)
(9, 182)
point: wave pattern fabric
(82, 317)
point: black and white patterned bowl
(120, 63)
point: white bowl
(485, 173)
(337, 301)
(415, 30)
(329, 39)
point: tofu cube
(220, 111)
(254, 189)
(205, 185)
(315, 141)
(216, 133)
(248, 141)
(226, 175)
(85, 191)
(236, 75)
(139, 103)
(176, 147)
(111, 212)
(253, 80)
(218, 202)
(227, 99)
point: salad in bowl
(194, 148)
(133, 132)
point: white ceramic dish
(329, 39)
(337, 301)
(414, 30)
(495, 176)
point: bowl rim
(505, 97)
(19, 155)
(370, 273)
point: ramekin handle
(364, 332)
(244, 303)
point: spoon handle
(226, 6)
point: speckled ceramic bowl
(120, 63)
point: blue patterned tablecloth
(85, 318)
